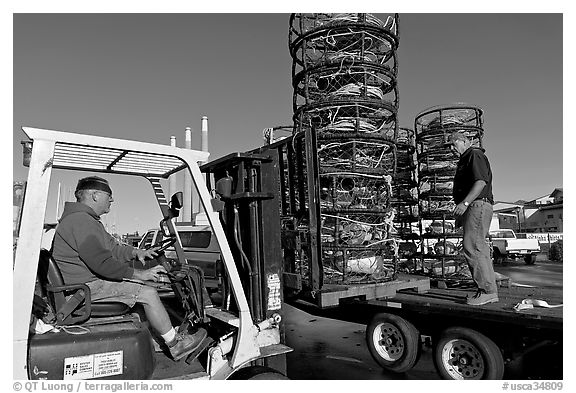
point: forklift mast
(251, 221)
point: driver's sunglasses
(107, 193)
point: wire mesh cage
(357, 154)
(346, 190)
(434, 126)
(358, 265)
(345, 103)
(406, 166)
(330, 82)
(356, 228)
(323, 38)
(441, 255)
(344, 72)
(348, 117)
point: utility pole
(187, 208)
(172, 179)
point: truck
(200, 249)
(60, 333)
(505, 245)
(402, 311)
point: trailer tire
(258, 373)
(530, 259)
(462, 353)
(394, 343)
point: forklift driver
(87, 254)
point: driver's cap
(94, 183)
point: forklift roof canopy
(101, 154)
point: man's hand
(152, 274)
(141, 255)
(459, 209)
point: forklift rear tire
(257, 373)
(462, 353)
(393, 342)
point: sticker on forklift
(274, 300)
(94, 366)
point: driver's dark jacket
(84, 251)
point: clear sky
(148, 76)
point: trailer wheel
(530, 259)
(393, 342)
(462, 353)
(258, 373)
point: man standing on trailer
(472, 192)
(87, 254)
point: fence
(547, 238)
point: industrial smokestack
(198, 210)
(172, 178)
(204, 133)
(187, 205)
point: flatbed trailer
(468, 342)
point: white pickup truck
(200, 249)
(505, 244)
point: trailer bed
(433, 308)
(331, 295)
(451, 303)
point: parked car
(505, 244)
(199, 245)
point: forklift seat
(72, 303)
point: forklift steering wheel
(164, 245)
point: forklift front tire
(393, 342)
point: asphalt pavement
(330, 349)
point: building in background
(543, 214)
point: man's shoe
(482, 298)
(474, 295)
(183, 344)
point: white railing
(549, 237)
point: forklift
(108, 340)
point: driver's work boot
(183, 343)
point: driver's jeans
(476, 223)
(131, 293)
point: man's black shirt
(472, 166)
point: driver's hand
(152, 274)
(141, 255)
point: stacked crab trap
(405, 200)
(441, 249)
(345, 104)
